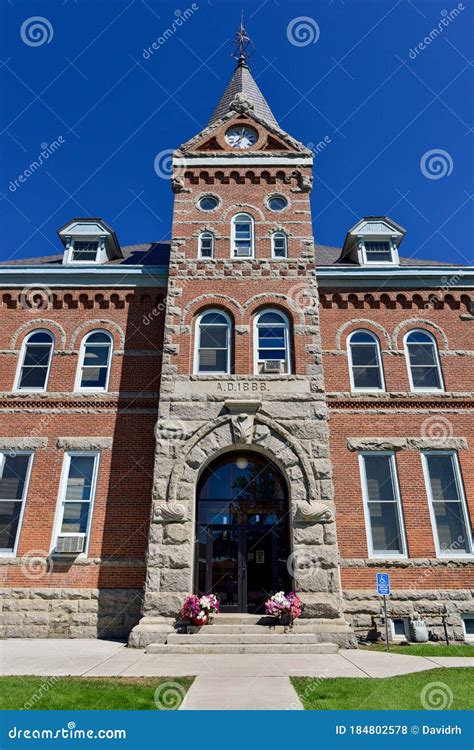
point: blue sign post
(383, 589)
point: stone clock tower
(242, 382)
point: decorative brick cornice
(407, 300)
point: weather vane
(243, 44)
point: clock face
(241, 137)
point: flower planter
(285, 618)
(200, 621)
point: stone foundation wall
(359, 606)
(69, 613)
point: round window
(208, 203)
(277, 203)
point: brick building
(240, 410)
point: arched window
(423, 364)
(94, 362)
(279, 245)
(35, 361)
(365, 365)
(212, 349)
(272, 342)
(206, 245)
(242, 236)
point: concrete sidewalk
(239, 681)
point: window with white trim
(382, 504)
(400, 628)
(94, 362)
(365, 363)
(449, 515)
(272, 342)
(35, 361)
(279, 245)
(379, 251)
(206, 245)
(14, 475)
(212, 348)
(467, 619)
(242, 233)
(76, 498)
(423, 363)
(84, 251)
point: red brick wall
(408, 416)
(120, 522)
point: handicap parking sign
(383, 584)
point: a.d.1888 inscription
(225, 387)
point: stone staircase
(254, 634)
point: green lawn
(436, 688)
(81, 693)
(425, 649)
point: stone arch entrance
(242, 531)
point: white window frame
(16, 385)
(403, 555)
(252, 238)
(397, 636)
(376, 341)
(468, 637)
(394, 259)
(83, 239)
(197, 339)
(449, 554)
(80, 364)
(58, 520)
(206, 234)
(413, 388)
(3, 455)
(286, 323)
(279, 233)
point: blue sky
(395, 118)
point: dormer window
(89, 241)
(378, 252)
(373, 241)
(84, 251)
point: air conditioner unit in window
(272, 365)
(69, 545)
(242, 252)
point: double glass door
(242, 541)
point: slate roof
(242, 82)
(158, 253)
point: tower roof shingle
(242, 82)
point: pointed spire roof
(243, 83)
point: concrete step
(310, 627)
(210, 637)
(247, 648)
